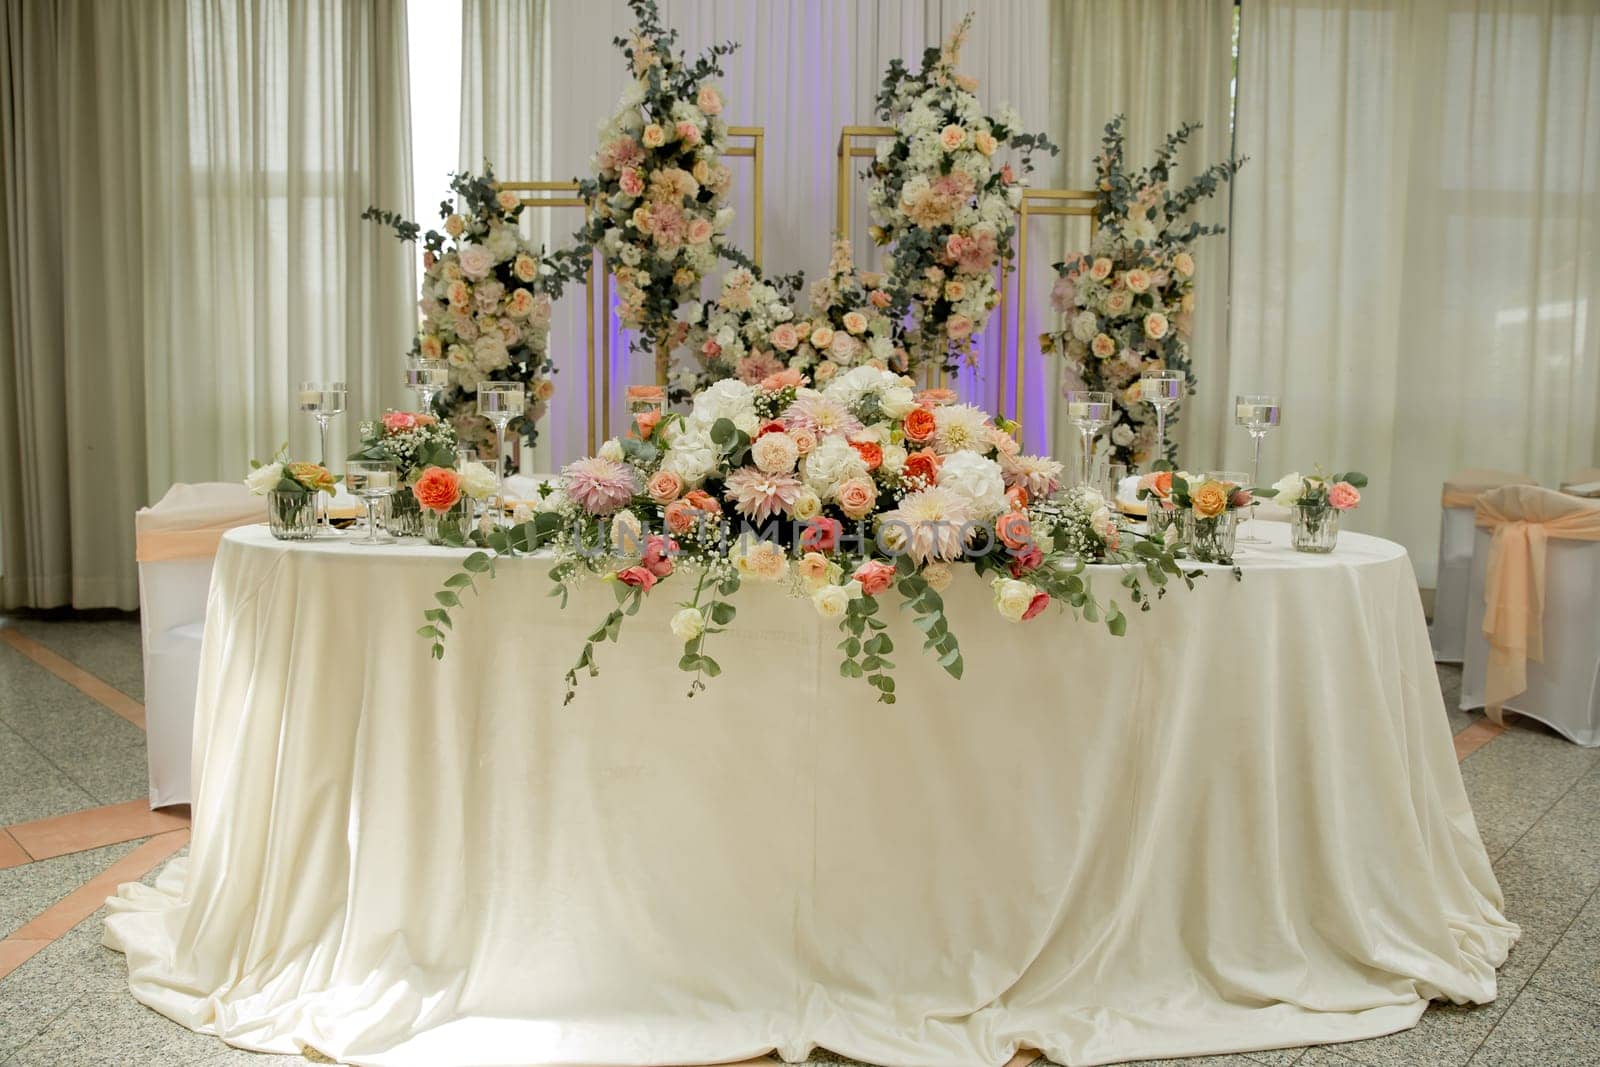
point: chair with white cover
(1452, 617)
(1536, 579)
(176, 545)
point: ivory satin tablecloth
(1241, 826)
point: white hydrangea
(727, 399)
(830, 464)
(977, 481)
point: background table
(1241, 826)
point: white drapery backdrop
(183, 186)
(1416, 247)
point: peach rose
(681, 516)
(1103, 346)
(1209, 500)
(313, 475)
(700, 231)
(455, 225)
(1101, 269)
(688, 133)
(1138, 280)
(856, 497)
(821, 534)
(879, 298)
(813, 567)
(821, 337)
(804, 440)
(855, 322)
(874, 576)
(664, 487)
(785, 337)
(638, 577)
(1119, 302)
(984, 142)
(654, 136)
(544, 390)
(952, 137)
(1343, 495)
(1155, 326)
(438, 489)
(709, 100)
(1183, 263)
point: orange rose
(1210, 500)
(1014, 530)
(1017, 497)
(646, 422)
(920, 425)
(438, 489)
(701, 500)
(681, 517)
(313, 476)
(923, 465)
(870, 453)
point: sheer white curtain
(1416, 248)
(803, 70)
(1161, 63)
(182, 186)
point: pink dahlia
(821, 415)
(1039, 475)
(758, 365)
(599, 486)
(758, 496)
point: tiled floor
(70, 743)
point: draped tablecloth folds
(1239, 827)
(1522, 519)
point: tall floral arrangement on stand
(748, 332)
(944, 202)
(1127, 304)
(658, 192)
(844, 497)
(850, 324)
(485, 304)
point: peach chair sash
(189, 521)
(1462, 489)
(1522, 519)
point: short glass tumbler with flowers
(1210, 510)
(291, 490)
(1315, 502)
(839, 496)
(446, 498)
(414, 441)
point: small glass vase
(291, 516)
(1160, 520)
(1211, 540)
(404, 515)
(1315, 528)
(438, 526)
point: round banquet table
(1239, 827)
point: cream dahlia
(928, 525)
(961, 427)
(758, 495)
(1039, 475)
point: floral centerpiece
(486, 301)
(1127, 304)
(1208, 509)
(943, 203)
(414, 441)
(748, 332)
(290, 489)
(1316, 501)
(658, 192)
(842, 496)
(446, 498)
(850, 324)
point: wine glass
(372, 480)
(427, 378)
(500, 402)
(1257, 413)
(1161, 389)
(323, 400)
(1090, 412)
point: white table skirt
(1239, 827)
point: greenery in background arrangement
(1127, 304)
(486, 302)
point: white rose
(1011, 598)
(806, 506)
(549, 504)
(478, 481)
(501, 243)
(1122, 435)
(894, 458)
(897, 401)
(977, 481)
(264, 478)
(747, 422)
(727, 399)
(831, 601)
(476, 261)
(1289, 488)
(612, 450)
(688, 624)
(1085, 325)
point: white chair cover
(1562, 691)
(177, 541)
(1452, 617)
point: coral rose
(1209, 500)
(664, 487)
(1014, 530)
(1040, 601)
(645, 422)
(637, 576)
(703, 501)
(922, 466)
(1343, 495)
(920, 425)
(1026, 560)
(874, 576)
(437, 489)
(871, 452)
(681, 516)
